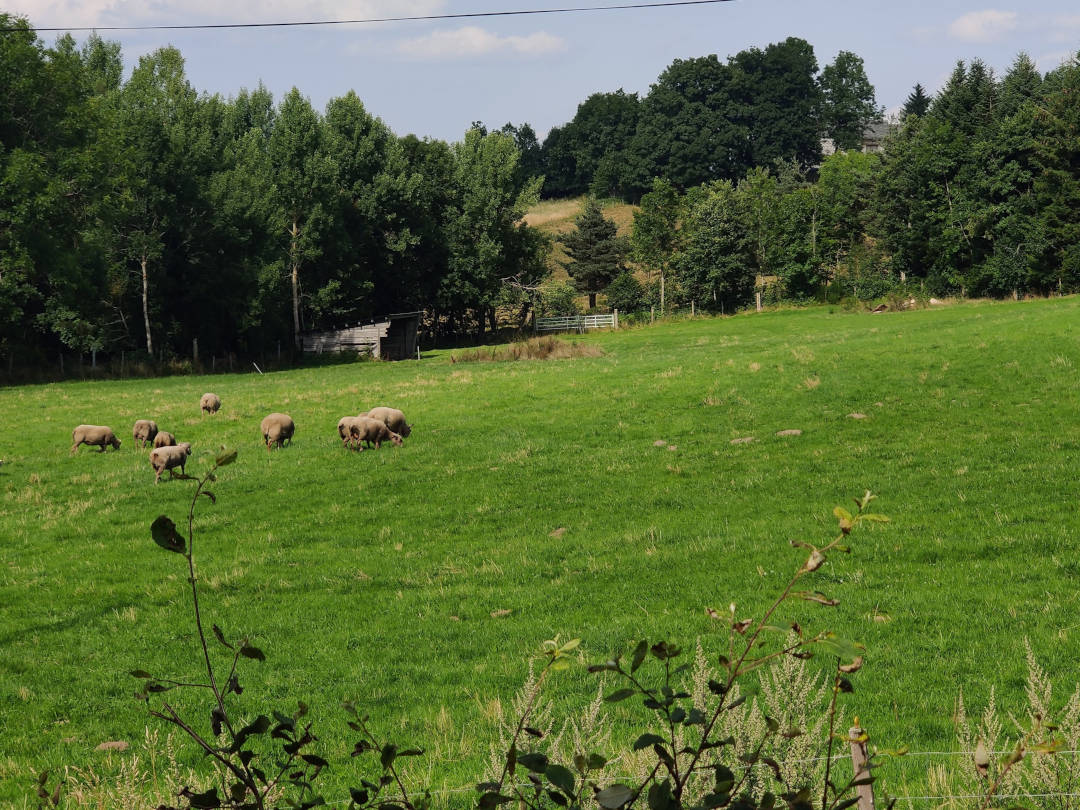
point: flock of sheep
(371, 428)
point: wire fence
(903, 800)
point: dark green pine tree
(596, 251)
(917, 103)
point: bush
(625, 293)
(557, 298)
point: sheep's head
(185, 447)
(406, 431)
(396, 439)
(115, 442)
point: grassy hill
(556, 217)
(533, 500)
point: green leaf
(640, 651)
(842, 513)
(313, 759)
(252, 652)
(561, 777)
(537, 763)
(220, 636)
(725, 779)
(389, 753)
(645, 740)
(358, 796)
(873, 517)
(614, 797)
(678, 715)
(202, 801)
(660, 796)
(619, 694)
(493, 799)
(558, 798)
(225, 458)
(840, 647)
(140, 673)
(163, 530)
(696, 718)
(595, 762)
(210, 495)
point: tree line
(976, 192)
(139, 215)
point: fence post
(615, 324)
(195, 351)
(758, 295)
(857, 737)
(652, 313)
(693, 308)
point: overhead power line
(370, 20)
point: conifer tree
(596, 251)
(917, 102)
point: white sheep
(164, 439)
(144, 431)
(99, 435)
(372, 431)
(167, 458)
(276, 428)
(344, 428)
(210, 403)
(392, 418)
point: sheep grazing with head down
(372, 431)
(392, 418)
(277, 428)
(98, 435)
(169, 458)
(344, 429)
(164, 439)
(210, 403)
(144, 432)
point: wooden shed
(391, 339)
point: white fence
(578, 323)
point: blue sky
(434, 78)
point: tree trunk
(592, 300)
(146, 306)
(493, 319)
(661, 292)
(294, 273)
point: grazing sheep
(167, 458)
(393, 418)
(276, 428)
(144, 432)
(372, 431)
(99, 435)
(210, 403)
(344, 429)
(164, 439)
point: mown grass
(536, 487)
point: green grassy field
(531, 501)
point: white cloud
(471, 41)
(983, 26)
(83, 13)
